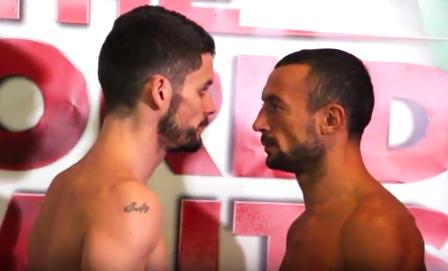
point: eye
(272, 107)
(203, 90)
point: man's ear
(333, 118)
(157, 93)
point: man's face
(288, 130)
(191, 106)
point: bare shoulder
(127, 231)
(135, 205)
(135, 193)
(381, 234)
(63, 182)
(380, 212)
(130, 213)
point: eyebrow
(272, 98)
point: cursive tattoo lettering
(133, 207)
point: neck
(339, 179)
(128, 146)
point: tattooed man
(155, 68)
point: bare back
(373, 232)
(84, 213)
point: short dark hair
(145, 41)
(340, 77)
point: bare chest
(313, 244)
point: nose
(260, 124)
(208, 105)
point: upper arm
(124, 234)
(373, 242)
(102, 251)
(157, 260)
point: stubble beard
(174, 137)
(301, 158)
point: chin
(281, 168)
(279, 163)
(191, 146)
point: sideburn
(167, 128)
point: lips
(266, 149)
(267, 141)
(204, 123)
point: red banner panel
(19, 218)
(199, 235)
(66, 105)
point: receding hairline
(308, 76)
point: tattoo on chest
(133, 207)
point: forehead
(288, 81)
(205, 71)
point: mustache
(267, 141)
(204, 123)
